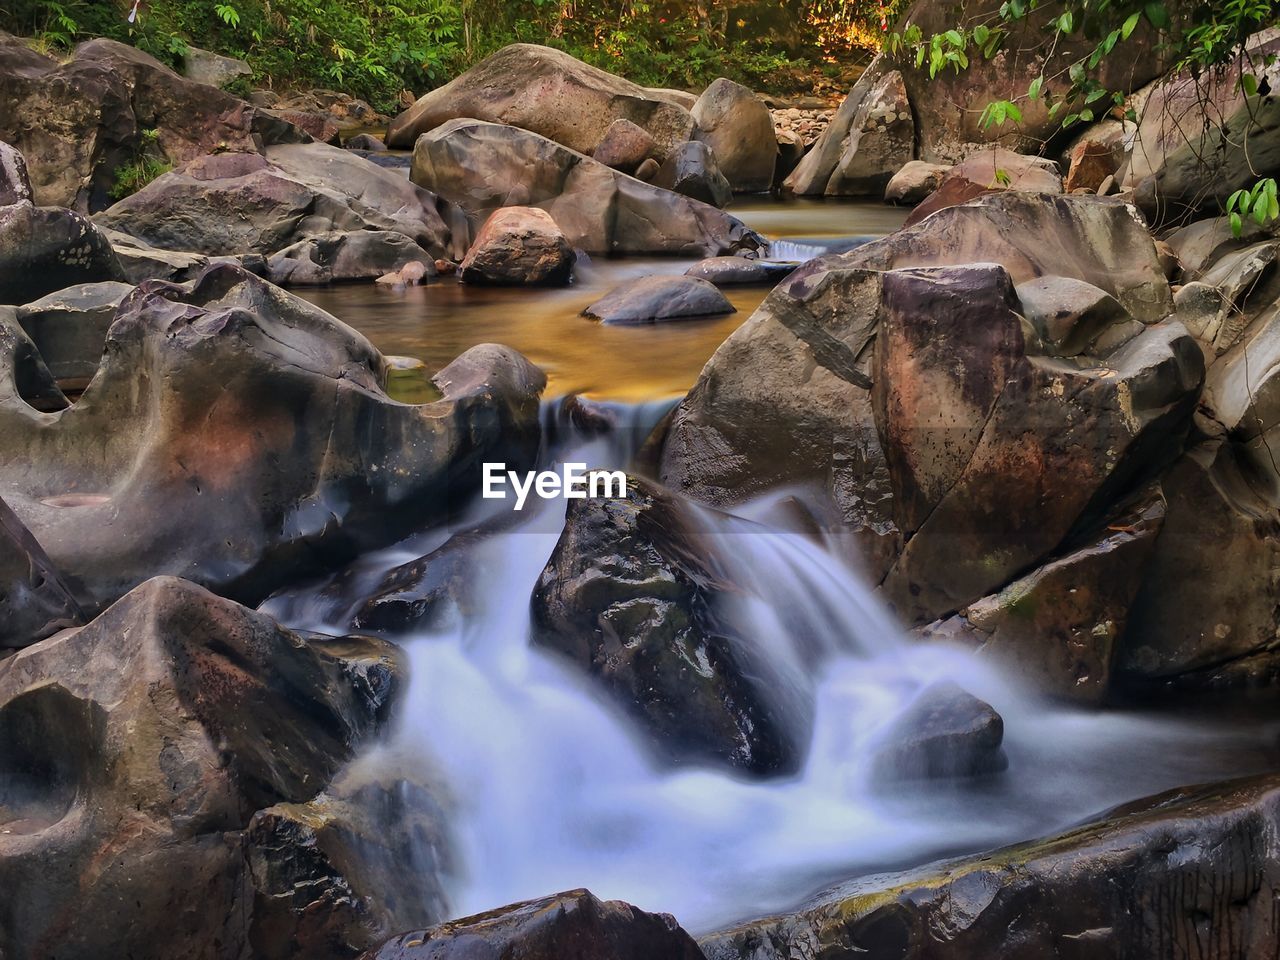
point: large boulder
(483, 166)
(240, 203)
(914, 181)
(1192, 872)
(240, 437)
(736, 125)
(624, 146)
(871, 138)
(566, 926)
(631, 596)
(519, 245)
(986, 171)
(948, 107)
(691, 169)
(549, 93)
(155, 733)
(35, 600)
(979, 434)
(77, 122)
(1202, 137)
(785, 399)
(656, 299)
(346, 255)
(205, 66)
(44, 249)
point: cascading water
(551, 788)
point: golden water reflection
(437, 322)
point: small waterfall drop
(551, 787)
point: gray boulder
(204, 66)
(483, 166)
(655, 299)
(351, 255)
(945, 733)
(739, 271)
(549, 93)
(691, 170)
(736, 125)
(70, 327)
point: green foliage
(132, 177)
(1258, 201)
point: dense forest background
(376, 49)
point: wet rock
(630, 597)
(692, 170)
(78, 121)
(1206, 615)
(624, 146)
(15, 183)
(1148, 879)
(1062, 627)
(979, 435)
(339, 256)
(69, 328)
(739, 271)
(343, 872)
(946, 733)
(35, 600)
(655, 299)
(238, 436)
(989, 171)
(573, 924)
(785, 399)
(156, 732)
(879, 142)
(484, 166)
(238, 203)
(1068, 315)
(517, 246)
(44, 249)
(914, 181)
(204, 66)
(316, 126)
(547, 92)
(736, 125)
(411, 274)
(365, 141)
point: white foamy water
(552, 787)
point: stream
(549, 788)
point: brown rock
(624, 146)
(989, 171)
(1091, 163)
(735, 124)
(519, 245)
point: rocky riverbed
(938, 617)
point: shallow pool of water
(437, 322)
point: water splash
(553, 788)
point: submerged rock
(739, 271)
(548, 92)
(568, 925)
(657, 299)
(155, 733)
(630, 597)
(1188, 872)
(947, 733)
(240, 437)
(483, 166)
(518, 246)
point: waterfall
(552, 788)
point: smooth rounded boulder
(210, 712)
(240, 437)
(739, 271)
(483, 166)
(519, 246)
(691, 169)
(736, 125)
(657, 299)
(550, 93)
(624, 146)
